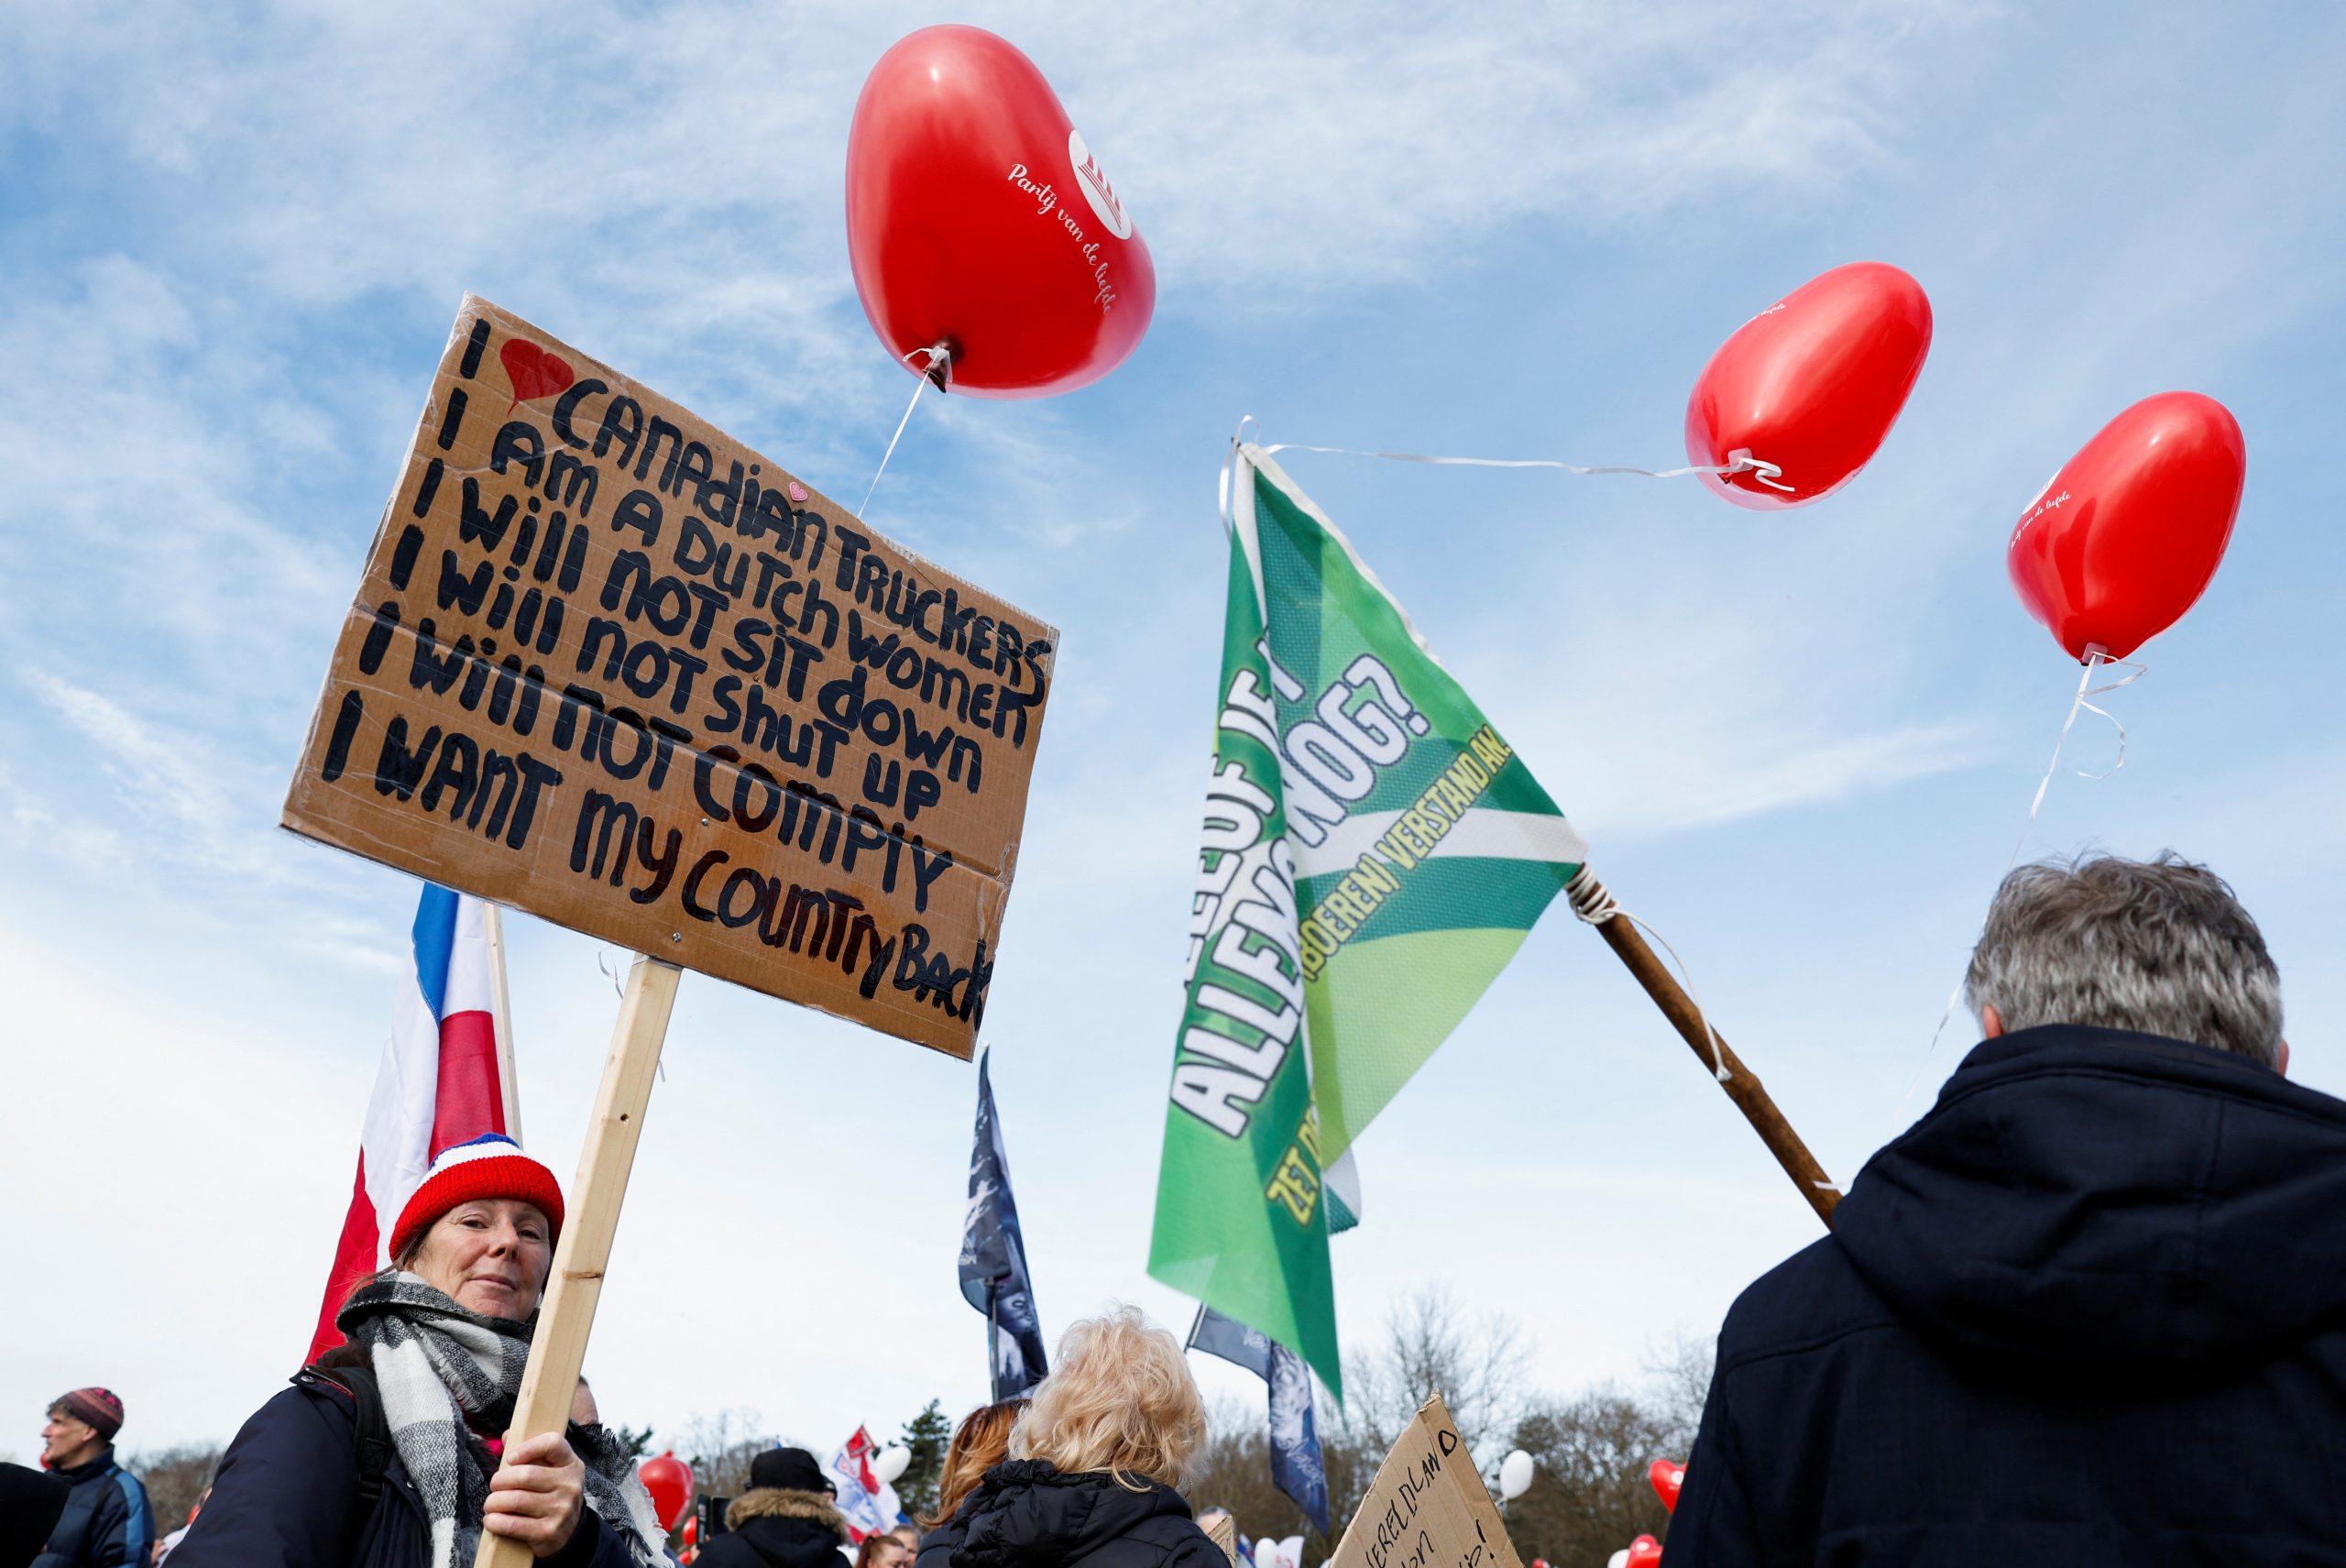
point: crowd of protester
(2083, 1310)
(389, 1451)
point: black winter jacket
(105, 1523)
(770, 1527)
(2089, 1310)
(1025, 1514)
(286, 1496)
(30, 1502)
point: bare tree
(1678, 1371)
(719, 1449)
(1589, 1496)
(174, 1478)
(1478, 1366)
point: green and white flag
(1374, 855)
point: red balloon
(670, 1481)
(1667, 1477)
(1812, 384)
(2125, 539)
(1644, 1552)
(977, 219)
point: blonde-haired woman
(1095, 1462)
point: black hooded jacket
(2091, 1310)
(30, 1502)
(774, 1526)
(1025, 1514)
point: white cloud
(1269, 154)
(1304, 152)
(171, 780)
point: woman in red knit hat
(390, 1453)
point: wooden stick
(1743, 1085)
(567, 1313)
(509, 1082)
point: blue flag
(993, 1259)
(1296, 1467)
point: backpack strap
(373, 1447)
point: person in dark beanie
(2090, 1308)
(390, 1452)
(786, 1518)
(30, 1501)
(105, 1522)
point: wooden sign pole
(1742, 1085)
(567, 1312)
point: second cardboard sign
(1428, 1506)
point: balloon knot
(940, 363)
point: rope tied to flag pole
(1594, 905)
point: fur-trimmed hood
(776, 1503)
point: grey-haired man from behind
(2091, 1307)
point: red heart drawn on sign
(1644, 1552)
(534, 373)
(797, 492)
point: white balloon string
(1229, 463)
(2094, 661)
(918, 383)
(1594, 903)
(1740, 462)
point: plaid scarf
(445, 1373)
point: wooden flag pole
(1742, 1085)
(567, 1312)
(509, 1082)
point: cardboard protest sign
(1224, 1533)
(610, 666)
(1428, 1507)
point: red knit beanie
(490, 1166)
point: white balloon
(1514, 1475)
(1290, 1551)
(890, 1460)
(1618, 1559)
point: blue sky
(232, 239)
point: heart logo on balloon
(1667, 1479)
(534, 372)
(1810, 385)
(2126, 537)
(1644, 1552)
(979, 221)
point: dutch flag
(439, 1084)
